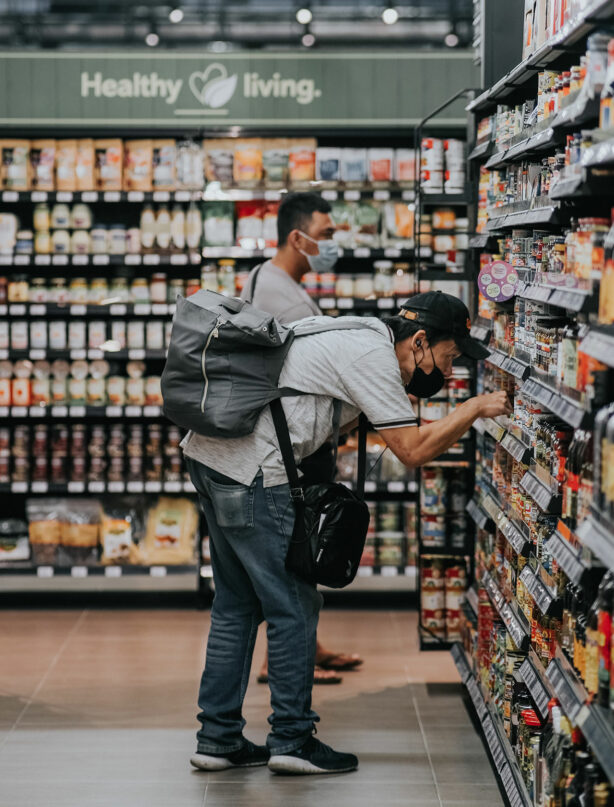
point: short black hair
(403, 329)
(295, 213)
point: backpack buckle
(297, 493)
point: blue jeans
(249, 530)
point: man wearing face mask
(243, 488)
(305, 244)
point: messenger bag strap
(285, 446)
(252, 285)
(362, 455)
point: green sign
(263, 90)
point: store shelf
(383, 578)
(79, 488)
(350, 304)
(601, 154)
(516, 624)
(396, 488)
(566, 685)
(482, 240)
(53, 311)
(567, 557)
(542, 596)
(131, 259)
(92, 197)
(598, 535)
(576, 300)
(214, 193)
(80, 355)
(534, 676)
(599, 344)
(547, 501)
(449, 199)
(547, 215)
(238, 253)
(490, 426)
(482, 150)
(516, 448)
(514, 535)
(80, 411)
(48, 579)
(480, 518)
(581, 185)
(471, 598)
(568, 410)
(509, 364)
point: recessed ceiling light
(176, 15)
(451, 40)
(390, 16)
(152, 39)
(308, 40)
(304, 16)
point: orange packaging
(247, 166)
(109, 164)
(85, 165)
(302, 160)
(42, 165)
(444, 219)
(66, 165)
(381, 165)
(5, 391)
(21, 391)
(405, 165)
(138, 165)
(15, 165)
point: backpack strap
(309, 327)
(252, 286)
(362, 455)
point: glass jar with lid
(402, 280)
(80, 243)
(99, 240)
(42, 217)
(25, 242)
(119, 291)
(209, 277)
(81, 218)
(78, 291)
(363, 286)
(60, 217)
(42, 242)
(99, 291)
(139, 290)
(382, 281)
(58, 292)
(18, 290)
(175, 289)
(117, 239)
(38, 290)
(226, 277)
(158, 288)
(344, 287)
(60, 242)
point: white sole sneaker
(204, 762)
(301, 767)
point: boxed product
(15, 165)
(302, 160)
(275, 162)
(328, 165)
(42, 165)
(250, 220)
(219, 160)
(381, 165)
(122, 530)
(247, 169)
(66, 165)
(218, 224)
(405, 166)
(354, 168)
(138, 165)
(164, 159)
(109, 164)
(170, 536)
(85, 165)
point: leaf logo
(213, 87)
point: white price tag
(39, 196)
(89, 196)
(389, 571)
(38, 310)
(59, 411)
(77, 411)
(206, 571)
(153, 487)
(116, 487)
(19, 487)
(76, 487)
(158, 571)
(78, 310)
(133, 411)
(10, 196)
(408, 196)
(42, 260)
(113, 411)
(136, 354)
(95, 355)
(397, 487)
(4, 411)
(352, 196)
(182, 196)
(118, 310)
(113, 572)
(38, 411)
(142, 309)
(385, 302)
(79, 572)
(392, 253)
(132, 259)
(179, 260)
(45, 572)
(3, 310)
(362, 252)
(159, 309)
(21, 260)
(345, 303)
(38, 355)
(136, 196)
(78, 355)
(80, 260)
(151, 260)
(330, 196)
(19, 412)
(101, 260)
(4, 354)
(365, 571)
(172, 487)
(381, 196)
(59, 260)
(39, 487)
(6, 260)
(327, 302)
(151, 411)
(370, 486)
(135, 487)
(112, 196)
(162, 196)
(17, 310)
(96, 487)
(272, 196)
(64, 196)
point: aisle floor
(97, 708)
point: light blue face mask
(327, 257)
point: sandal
(320, 676)
(339, 661)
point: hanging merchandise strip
(510, 365)
(539, 688)
(548, 501)
(542, 596)
(599, 539)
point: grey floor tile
(463, 768)
(103, 794)
(476, 793)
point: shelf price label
(365, 571)
(79, 572)
(113, 572)
(136, 196)
(112, 196)
(158, 571)
(45, 572)
(132, 260)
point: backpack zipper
(203, 362)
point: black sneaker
(250, 756)
(312, 758)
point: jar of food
(118, 334)
(402, 280)
(25, 242)
(344, 286)
(99, 291)
(133, 240)
(175, 289)
(76, 335)
(226, 277)
(155, 335)
(77, 390)
(117, 239)
(42, 217)
(158, 288)
(193, 286)
(58, 292)
(78, 291)
(18, 289)
(209, 277)
(116, 390)
(60, 217)
(99, 240)
(81, 217)
(80, 243)
(96, 391)
(119, 291)
(148, 227)
(38, 334)
(19, 335)
(135, 391)
(60, 242)
(139, 290)
(38, 290)
(4, 290)
(163, 227)
(382, 282)
(136, 335)
(363, 286)
(97, 334)
(42, 242)
(194, 227)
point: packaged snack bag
(138, 165)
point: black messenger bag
(330, 528)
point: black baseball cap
(446, 313)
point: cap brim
(472, 348)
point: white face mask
(327, 257)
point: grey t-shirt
(357, 367)
(278, 294)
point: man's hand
(494, 404)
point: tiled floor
(97, 709)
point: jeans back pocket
(233, 504)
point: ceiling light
(219, 46)
(176, 15)
(451, 40)
(304, 16)
(390, 16)
(152, 39)
(308, 40)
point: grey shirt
(279, 295)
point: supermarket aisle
(97, 708)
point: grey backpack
(224, 362)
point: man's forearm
(436, 438)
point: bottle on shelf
(148, 227)
(604, 605)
